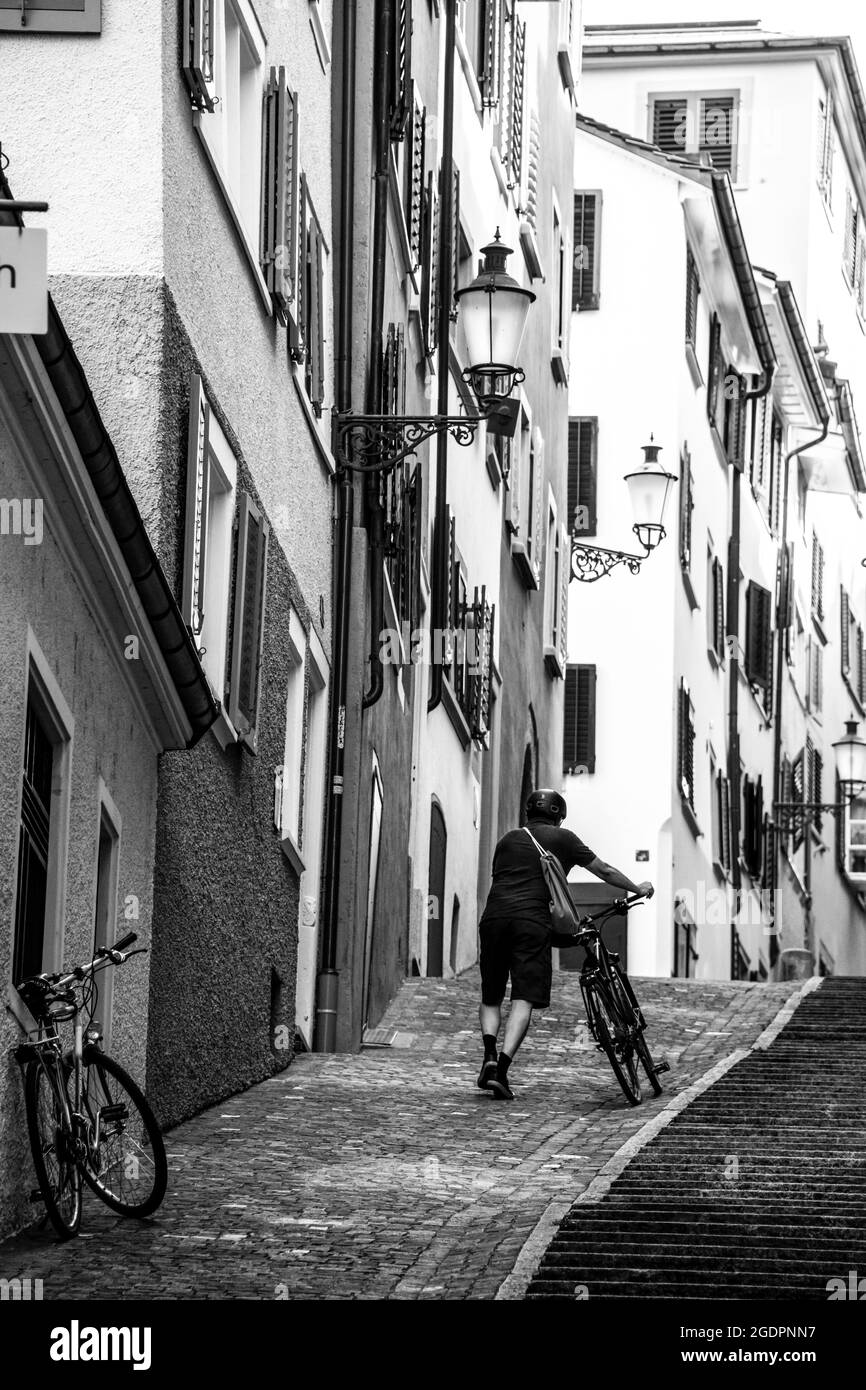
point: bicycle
(86, 1117)
(613, 1014)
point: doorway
(436, 889)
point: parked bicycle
(612, 1010)
(86, 1117)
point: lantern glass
(850, 754)
(494, 320)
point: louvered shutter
(430, 279)
(518, 95)
(718, 608)
(316, 338)
(506, 103)
(584, 294)
(829, 156)
(455, 241)
(817, 792)
(564, 576)
(821, 148)
(415, 183)
(480, 666)
(798, 789)
(580, 706)
(686, 508)
(198, 52)
(758, 637)
(859, 265)
(849, 249)
(490, 76)
(248, 621)
(401, 66)
(582, 437)
(197, 498)
(298, 323)
(817, 577)
(536, 538)
(734, 419)
(861, 666)
(714, 377)
(693, 289)
(569, 724)
(281, 257)
(670, 125)
(716, 136)
(724, 805)
(845, 633)
(533, 166)
(785, 609)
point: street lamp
(493, 310)
(649, 487)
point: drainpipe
(780, 659)
(374, 509)
(439, 615)
(327, 985)
(733, 630)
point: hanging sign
(23, 280)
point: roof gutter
(109, 481)
(736, 245)
(807, 359)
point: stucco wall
(109, 741)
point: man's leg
(491, 1017)
(494, 977)
(517, 1026)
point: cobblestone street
(389, 1174)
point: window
(685, 746)
(377, 807)
(472, 16)
(400, 96)
(854, 250)
(555, 593)
(817, 578)
(797, 777)
(511, 104)
(852, 838)
(582, 475)
(753, 827)
(51, 16)
(289, 786)
(734, 418)
(685, 954)
(224, 69)
(826, 147)
(814, 774)
(281, 194)
(559, 315)
(716, 607)
(43, 825)
(722, 823)
(411, 164)
(686, 508)
(105, 901)
(308, 330)
(587, 240)
(578, 754)
(701, 125)
(739, 957)
(816, 675)
(468, 661)
(223, 598)
(767, 463)
(759, 648)
(526, 553)
(693, 289)
(716, 379)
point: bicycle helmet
(544, 804)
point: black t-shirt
(518, 888)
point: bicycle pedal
(36, 1195)
(661, 1066)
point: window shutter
(430, 287)
(401, 69)
(861, 666)
(734, 420)
(198, 52)
(716, 136)
(248, 621)
(758, 635)
(490, 77)
(798, 793)
(817, 577)
(580, 686)
(850, 243)
(415, 188)
(564, 576)
(197, 490)
(693, 289)
(536, 537)
(315, 335)
(785, 609)
(298, 334)
(482, 662)
(455, 241)
(724, 804)
(582, 476)
(569, 725)
(670, 125)
(686, 508)
(685, 746)
(280, 190)
(584, 292)
(718, 608)
(859, 265)
(845, 633)
(518, 96)
(817, 788)
(714, 377)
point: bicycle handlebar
(617, 905)
(62, 982)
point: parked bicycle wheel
(127, 1166)
(614, 1033)
(53, 1146)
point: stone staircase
(757, 1190)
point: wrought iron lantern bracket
(592, 562)
(377, 443)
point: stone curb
(517, 1282)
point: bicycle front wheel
(615, 1035)
(53, 1146)
(126, 1164)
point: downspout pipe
(327, 985)
(733, 631)
(440, 618)
(374, 510)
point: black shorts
(519, 948)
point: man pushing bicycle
(515, 928)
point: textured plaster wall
(109, 741)
(78, 115)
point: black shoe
(500, 1087)
(488, 1070)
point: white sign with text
(23, 280)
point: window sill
(314, 421)
(690, 818)
(559, 367)
(455, 714)
(858, 704)
(292, 853)
(494, 472)
(529, 570)
(224, 731)
(410, 268)
(322, 46)
(250, 254)
(531, 254)
(499, 171)
(566, 69)
(694, 369)
(469, 73)
(689, 587)
(717, 662)
(818, 624)
(720, 871)
(554, 663)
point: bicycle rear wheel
(615, 1035)
(126, 1166)
(648, 1064)
(52, 1144)
(625, 996)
